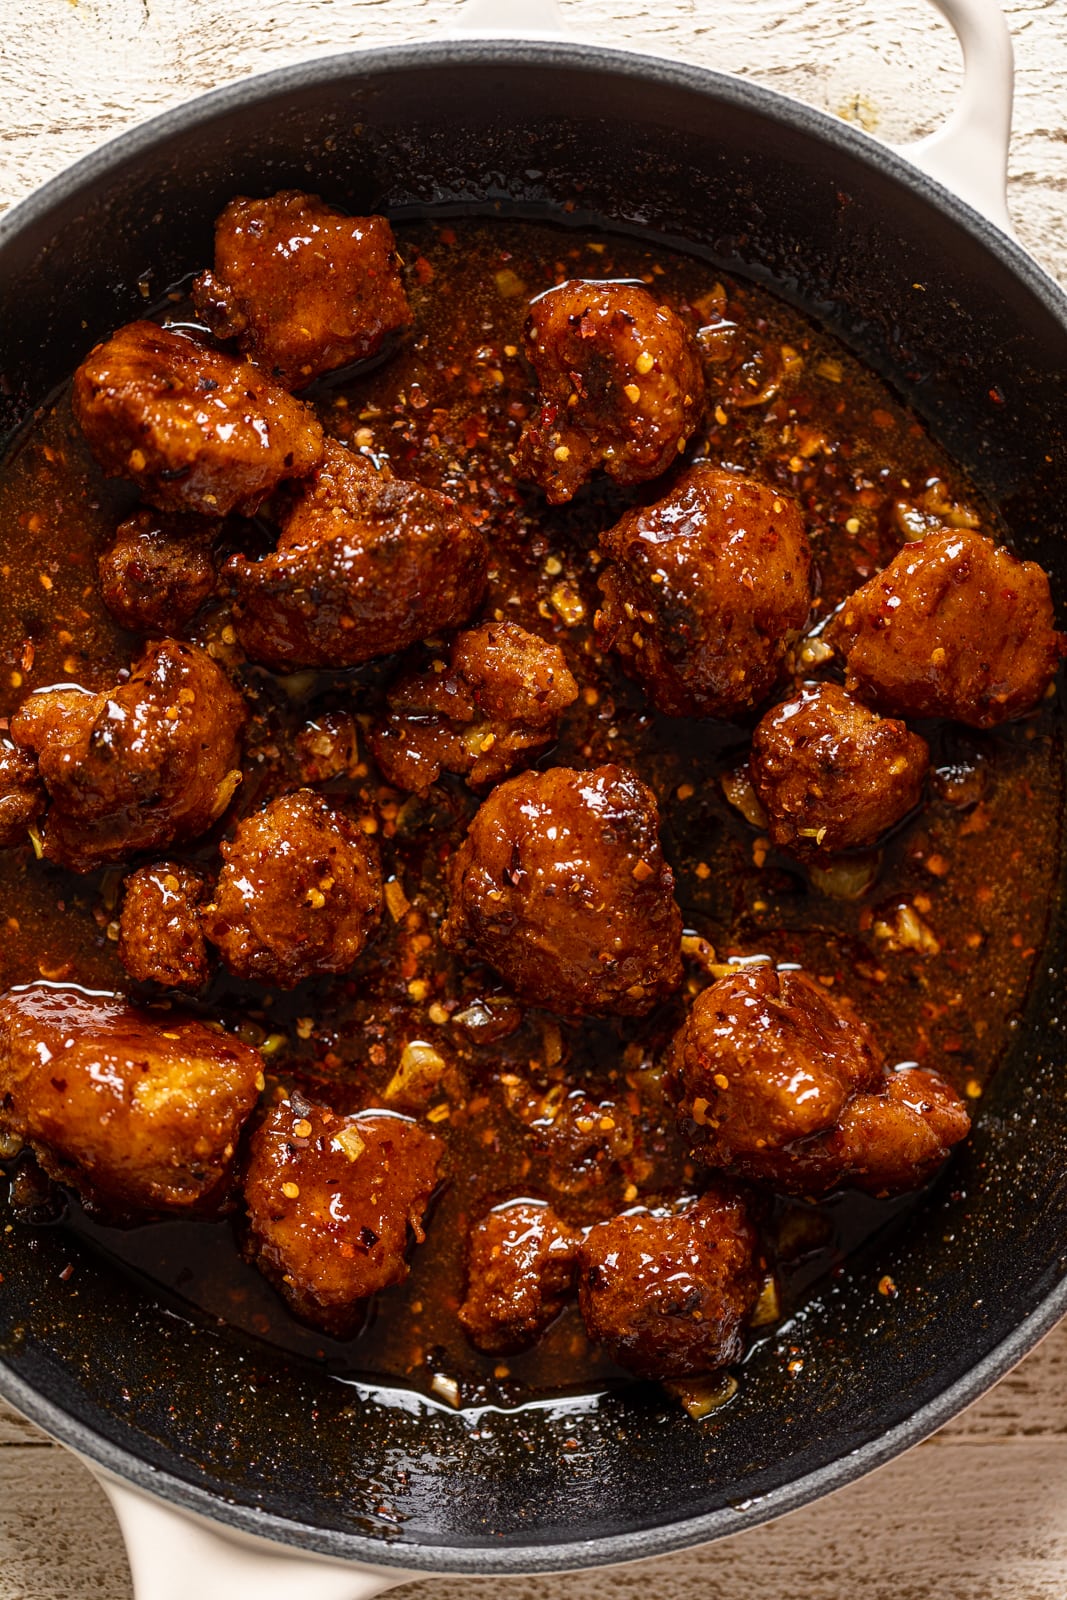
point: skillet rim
(641, 1543)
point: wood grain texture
(977, 1513)
(99, 66)
(980, 1512)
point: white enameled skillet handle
(176, 1556)
(523, 17)
(969, 154)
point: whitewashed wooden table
(980, 1511)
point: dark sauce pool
(937, 952)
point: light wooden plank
(58, 1536)
(957, 1520)
(981, 1512)
(16, 1431)
(101, 65)
(985, 1503)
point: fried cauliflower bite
(160, 937)
(561, 885)
(153, 763)
(621, 387)
(139, 1113)
(703, 591)
(300, 892)
(955, 626)
(669, 1296)
(779, 1082)
(887, 1142)
(194, 429)
(521, 1261)
(158, 571)
(365, 565)
(832, 774)
(495, 708)
(333, 1203)
(302, 287)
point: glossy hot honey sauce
(935, 946)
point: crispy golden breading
(703, 591)
(139, 1113)
(496, 708)
(669, 1296)
(954, 627)
(194, 429)
(622, 387)
(521, 1261)
(780, 1082)
(366, 564)
(302, 287)
(300, 892)
(561, 885)
(832, 774)
(159, 570)
(333, 1203)
(153, 763)
(160, 937)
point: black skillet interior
(978, 341)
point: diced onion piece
(225, 792)
(701, 1396)
(297, 685)
(904, 929)
(713, 304)
(950, 513)
(848, 878)
(395, 899)
(768, 1306)
(508, 284)
(351, 1141)
(418, 1075)
(734, 964)
(913, 524)
(568, 603)
(478, 738)
(696, 948)
(446, 1389)
(737, 787)
(813, 653)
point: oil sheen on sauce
(937, 954)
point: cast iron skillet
(976, 338)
